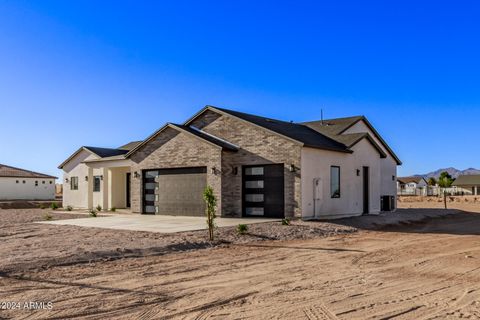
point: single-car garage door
(177, 191)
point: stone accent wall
(257, 146)
(174, 149)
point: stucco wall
(174, 149)
(316, 164)
(75, 168)
(11, 190)
(257, 146)
(388, 165)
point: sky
(103, 73)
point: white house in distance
(467, 185)
(21, 184)
(409, 186)
(257, 166)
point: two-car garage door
(177, 191)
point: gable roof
(294, 131)
(129, 146)
(467, 180)
(334, 128)
(406, 180)
(13, 172)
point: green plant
(113, 209)
(47, 217)
(242, 228)
(99, 208)
(211, 202)
(285, 222)
(42, 206)
(93, 213)
(54, 206)
(69, 208)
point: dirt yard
(424, 270)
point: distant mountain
(452, 171)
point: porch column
(476, 190)
(110, 190)
(106, 189)
(90, 188)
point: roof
(467, 180)
(101, 152)
(295, 131)
(334, 128)
(208, 137)
(406, 180)
(129, 146)
(9, 171)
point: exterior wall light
(66, 180)
(213, 170)
(136, 175)
(358, 172)
(86, 178)
(101, 177)
(292, 168)
(235, 170)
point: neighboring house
(412, 186)
(21, 184)
(467, 184)
(257, 166)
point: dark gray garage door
(177, 191)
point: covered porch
(109, 181)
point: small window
(51, 182)
(254, 171)
(18, 181)
(36, 183)
(23, 181)
(255, 211)
(255, 184)
(43, 182)
(254, 197)
(96, 184)
(335, 182)
(74, 183)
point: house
(467, 185)
(257, 166)
(21, 184)
(408, 186)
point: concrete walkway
(154, 223)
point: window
(96, 183)
(74, 183)
(36, 183)
(18, 181)
(254, 171)
(254, 197)
(43, 182)
(23, 181)
(255, 184)
(51, 182)
(335, 182)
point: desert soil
(424, 270)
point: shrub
(99, 208)
(54, 206)
(211, 202)
(42, 206)
(93, 213)
(285, 222)
(69, 208)
(47, 217)
(242, 228)
(113, 209)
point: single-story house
(257, 166)
(467, 184)
(415, 185)
(21, 184)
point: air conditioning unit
(387, 203)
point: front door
(366, 190)
(263, 191)
(129, 181)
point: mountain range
(452, 171)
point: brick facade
(174, 149)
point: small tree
(445, 181)
(432, 181)
(211, 202)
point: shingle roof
(9, 171)
(208, 137)
(406, 180)
(309, 137)
(129, 146)
(106, 152)
(467, 180)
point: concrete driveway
(154, 223)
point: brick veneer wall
(172, 149)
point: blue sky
(104, 73)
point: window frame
(333, 194)
(95, 179)
(73, 183)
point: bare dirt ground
(424, 270)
